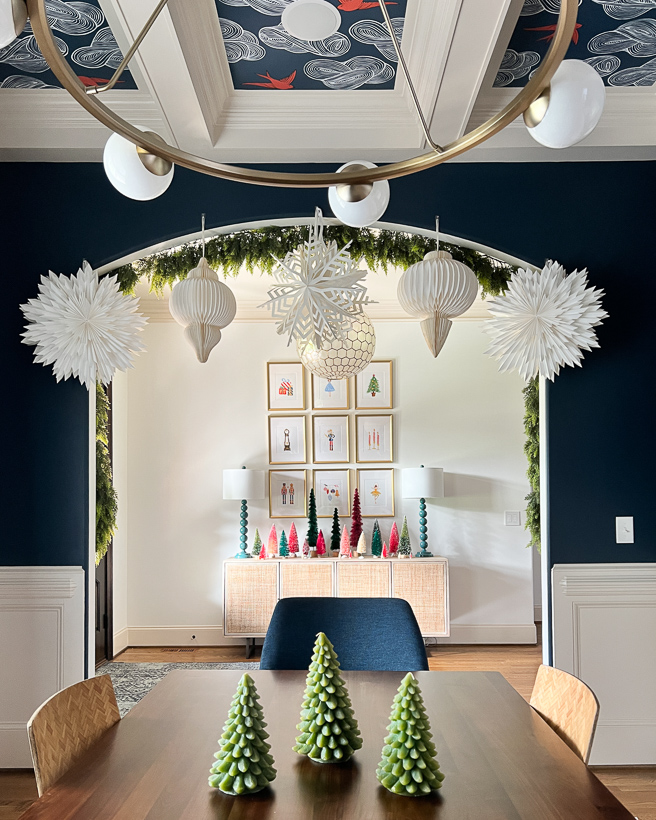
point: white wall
(182, 423)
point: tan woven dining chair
(568, 706)
(67, 724)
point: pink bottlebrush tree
(384, 550)
(306, 549)
(321, 544)
(293, 541)
(394, 540)
(345, 547)
(272, 544)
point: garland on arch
(106, 498)
(532, 451)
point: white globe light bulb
(128, 174)
(310, 20)
(366, 211)
(576, 103)
(13, 16)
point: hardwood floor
(635, 786)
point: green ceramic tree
(376, 541)
(404, 543)
(257, 544)
(329, 730)
(409, 766)
(243, 764)
(283, 547)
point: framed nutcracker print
(287, 440)
(285, 386)
(376, 491)
(330, 439)
(373, 387)
(287, 493)
(373, 439)
(332, 488)
(329, 395)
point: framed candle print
(376, 491)
(287, 440)
(287, 494)
(286, 386)
(373, 439)
(373, 387)
(332, 488)
(329, 395)
(330, 439)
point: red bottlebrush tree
(394, 540)
(356, 520)
(293, 541)
(384, 550)
(321, 544)
(345, 548)
(306, 549)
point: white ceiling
(453, 48)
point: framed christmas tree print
(332, 489)
(330, 439)
(329, 395)
(376, 490)
(287, 440)
(373, 439)
(287, 494)
(285, 386)
(373, 387)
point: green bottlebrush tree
(257, 544)
(409, 766)
(243, 763)
(106, 497)
(283, 548)
(356, 520)
(404, 541)
(328, 729)
(376, 541)
(313, 527)
(335, 533)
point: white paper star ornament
(544, 321)
(84, 327)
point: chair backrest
(66, 725)
(367, 633)
(568, 706)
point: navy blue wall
(597, 215)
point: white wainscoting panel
(41, 647)
(604, 623)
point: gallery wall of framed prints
(312, 425)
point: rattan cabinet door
(363, 579)
(306, 579)
(250, 595)
(422, 584)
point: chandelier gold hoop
(539, 82)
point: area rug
(132, 681)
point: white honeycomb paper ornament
(341, 358)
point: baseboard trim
(537, 613)
(121, 641)
(213, 635)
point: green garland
(106, 498)
(532, 450)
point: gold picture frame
(325, 510)
(366, 428)
(293, 434)
(342, 437)
(364, 401)
(292, 372)
(385, 474)
(288, 477)
(347, 389)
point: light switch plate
(512, 518)
(624, 529)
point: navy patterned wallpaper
(262, 55)
(82, 35)
(617, 37)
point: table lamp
(243, 485)
(422, 483)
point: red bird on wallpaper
(360, 5)
(575, 36)
(94, 82)
(285, 83)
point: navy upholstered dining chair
(379, 634)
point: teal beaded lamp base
(243, 531)
(423, 531)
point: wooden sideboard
(251, 588)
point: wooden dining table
(500, 759)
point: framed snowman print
(373, 387)
(285, 386)
(329, 395)
(330, 439)
(332, 489)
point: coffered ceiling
(221, 79)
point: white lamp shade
(13, 16)
(368, 210)
(310, 20)
(243, 484)
(128, 174)
(576, 104)
(423, 482)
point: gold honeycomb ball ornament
(342, 358)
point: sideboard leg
(250, 646)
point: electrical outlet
(512, 518)
(624, 529)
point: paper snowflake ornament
(319, 291)
(83, 326)
(544, 321)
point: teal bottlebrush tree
(257, 544)
(356, 520)
(405, 548)
(313, 527)
(243, 763)
(376, 541)
(283, 548)
(335, 533)
(328, 729)
(409, 766)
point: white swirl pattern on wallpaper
(102, 51)
(351, 74)
(274, 8)
(604, 65)
(538, 6)
(373, 33)
(240, 44)
(21, 81)
(637, 37)
(337, 45)
(25, 54)
(515, 65)
(626, 9)
(641, 75)
(75, 19)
